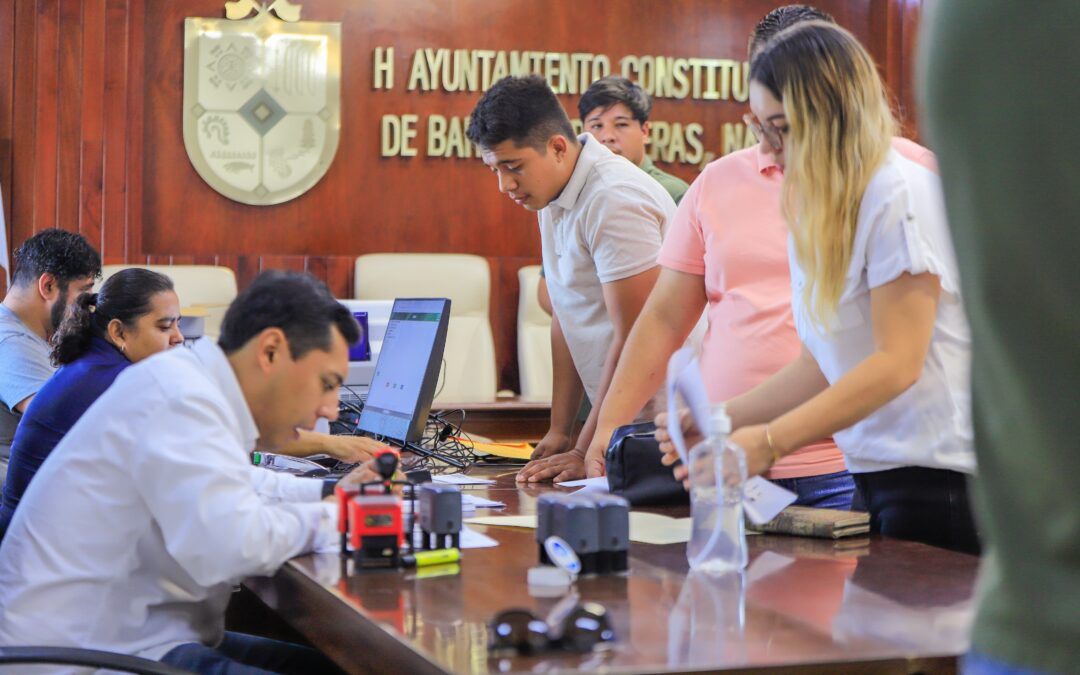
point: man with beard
(51, 269)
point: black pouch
(634, 470)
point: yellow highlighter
(426, 558)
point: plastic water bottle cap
(719, 422)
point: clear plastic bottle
(717, 474)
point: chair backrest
(533, 338)
(209, 287)
(74, 656)
(469, 375)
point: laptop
(407, 370)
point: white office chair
(533, 338)
(469, 373)
(200, 287)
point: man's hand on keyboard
(351, 449)
(344, 448)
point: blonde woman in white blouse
(886, 347)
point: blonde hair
(841, 130)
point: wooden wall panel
(7, 102)
(91, 128)
(114, 245)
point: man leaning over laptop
(132, 535)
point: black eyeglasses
(766, 131)
(583, 629)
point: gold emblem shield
(261, 100)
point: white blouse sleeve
(905, 230)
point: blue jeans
(828, 491)
(240, 654)
(974, 663)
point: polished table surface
(803, 605)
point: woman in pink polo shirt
(725, 250)
(885, 360)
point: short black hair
(297, 303)
(607, 91)
(65, 255)
(521, 109)
(781, 18)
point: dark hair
(125, 296)
(297, 303)
(607, 91)
(521, 109)
(65, 255)
(781, 18)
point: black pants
(926, 505)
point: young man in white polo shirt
(601, 223)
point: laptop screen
(407, 369)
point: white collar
(217, 367)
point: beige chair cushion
(533, 338)
(202, 286)
(469, 373)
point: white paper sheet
(598, 484)
(470, 538)
(460, 479)
(763, 500)
(473, 502)
(684, 383)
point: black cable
(440, 439)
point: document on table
(598, 484)
(472, 502)
(645, 528)
(469, 538)
(460, 479)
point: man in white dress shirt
(133, 533)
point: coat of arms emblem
(261, 100)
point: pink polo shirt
(729, 229)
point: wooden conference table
(869, 606)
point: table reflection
(707, 623)
(928, 615)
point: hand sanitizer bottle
(717, 474)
